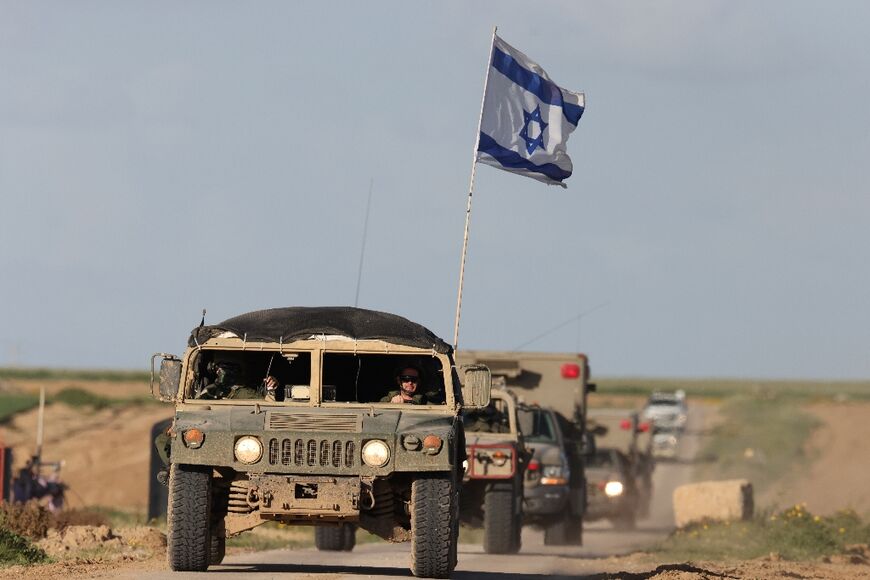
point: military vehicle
(492, 489)
(323, 448)
(555, 387)
(668, 410)
(611, 488)
(623, 430)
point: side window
(371, 378)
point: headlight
(248, 449)
(375, 453)
(554, 475)
(613, 488)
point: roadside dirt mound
(105, 452)
(113, 544)
(836, 474)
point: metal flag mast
(470, 192)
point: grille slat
(305, 452)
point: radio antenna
(362, 251)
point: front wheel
(501, 524)
(189, 545)
(433, 526)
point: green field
(724, 388)
(50, 374)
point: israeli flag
(526, 118)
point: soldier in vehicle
(408, 379)
(224, 382)
(227, 383)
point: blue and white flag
(526, 118)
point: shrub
(30, 519)
(15, 549)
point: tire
(564, 532)
(341, 538)
(625, 521)
(499, 521)
(349, 537)
(188, 518)
(434, 511)
(217, 550)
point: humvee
(325, 449)
(556, 387)
(492, 489)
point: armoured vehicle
(323, 447)
(492, 489)
(622, 429)
(554, 387)
(611, 488)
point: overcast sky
(157, 158)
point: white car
(667, 410)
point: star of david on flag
(526, 118)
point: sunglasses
(409, 379)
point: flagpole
(470, 192)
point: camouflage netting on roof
(299, 322)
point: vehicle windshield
(537, 426)
(491, 419)
(346, 377)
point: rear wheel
(340, 538)
(625, 521)
(217, 550)
(433, 526)
(188, 518)
(564, 532)
(500, 521)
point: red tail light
(570, 371)
(534, 465)
(602, 485)
(644, 427)
(625, 424)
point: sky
(160, 158)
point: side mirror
(476, 386)
(591, 388)
(169, 379)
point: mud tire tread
(188, 518)
(335, 538)
(499, 521)
(433, 526)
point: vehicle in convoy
(668, 410)
(554, 488)
(622, 429)
(665, 442)
(492, 489)
(324, 449)
(554, 387)
(611, 488)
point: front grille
(302, 452)
(330, 422)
